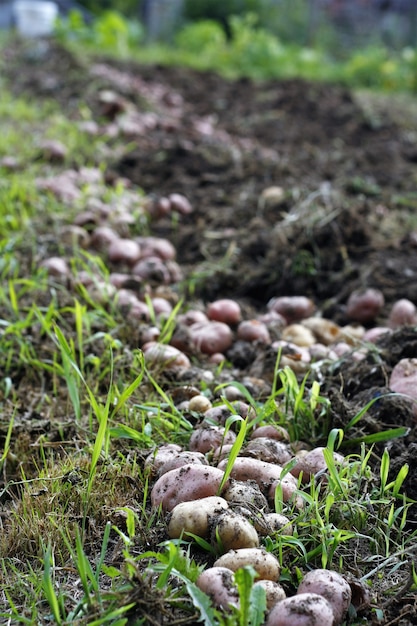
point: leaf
(201, 601)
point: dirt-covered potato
(194, 516)
(182, 458)
(274, 592)
(219, 584)
(190, 482)
(210, 438)
(269, 450)
(312, 463)
(245, 494)
(245, 468)
(304, 609)
(272, 523)
(156, 459)
(231, 531)
(264, 563)
(331, 586)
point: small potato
(403, 380)
(194, 516)
(312, 463)
(274, 592)
(304, 609)
(364, 305)
(325, 331)
(224, 310)
(219, 584)
(268, 450)
(245, 468)
(245, 493)
(211, 337)
(190, 482)
(233, 531)
(210, 438)
(299, 334)
(199, 404)
(156, 459)
(272, 523)
(166, 356)
(403, 312)
(253, 330)
(272, 432)
(332, 586)
(292, 308)
(180, 459)
(264, 563)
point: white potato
(274, 592)
(264, 563)
(331, 586)
(304, 609)
(233, 531)
(194, 516)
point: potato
(312, 463)
(264, 563)
(211, 337)
(219, 584)
(274, 592)
(264, 474)
(209, 438)
(304, 609)
(403, 380)
(272, 523)
(165, 356)
(292, 308)
(232, 531)
(269, 450)
(156, 459)
(272, 432)
(194, 516)
(403, 312)
(182, 458)
(332, 586)
(246, 494)
(245, 468)
(190, 482)
(364, 305)
(224, 310)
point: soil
(347, 167)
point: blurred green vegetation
(247, 49)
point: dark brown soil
(348, 169)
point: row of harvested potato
(234, 516)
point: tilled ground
(343, 220)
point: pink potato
(331, 586)
(312, 463)
(211, 337)
(219, 584)
(403, 312)
(292, 308)
(210, 438)
(266, 475)
(253, 330)
(364, 306)
(224, 310)
(403, 380)
(189, 482)
(304, 609)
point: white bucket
(35, 18)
